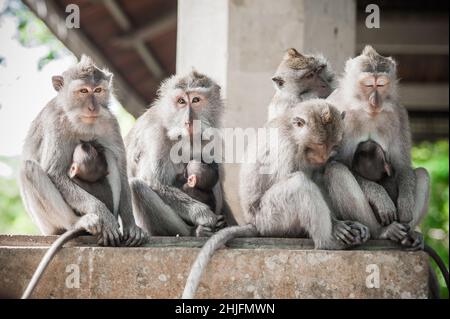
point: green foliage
(32, 32)
(434, 157)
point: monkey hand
(110, 233)
(350, 233)
(221, 223)
(385, 210)
(413, 241)
(202, 215)
(133, 236)
(395, 231)
(91, 223)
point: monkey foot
(133, 236)
(203, 231)
(395, 231)
(413, 241)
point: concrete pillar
(240, 43)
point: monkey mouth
(89, 119)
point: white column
(240, 43)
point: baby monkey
(89, 170)
(370, 162)
(201, 178)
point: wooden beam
(146, 55)
(422, 97)
(79, 44)
(149, 31)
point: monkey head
(188, 98)
(370, 161)
(88, 162)
(300, 74)
(371, 78)
(84, 92)
(202, 175)
(317, 128)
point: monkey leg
(294, 207)
(44, 202)
(422, 196)
(153, 215)
(347, 198)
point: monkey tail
(214, 243)
(54, 248)
(438, 260)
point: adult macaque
(300, 78)
(368, 94)
(160, 206)
(55, 202)
(287, 202)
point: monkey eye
(308, 75)
(196, 100)
(298, 121)
(181, 101)
(84, 90)
(98, 90)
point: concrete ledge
(247, 268)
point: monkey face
(84, 92)
(189, 104)
(318, 130)
(298, 75)
(374, 89)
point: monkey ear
(58, 82)
(293, 53)
(74, 170)
(278, 81)
(192, 181)
(343, 115)
(326, 115)
(298, 121)
(387, 169)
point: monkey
(288, 202)
(160, 206)
(367, 92)
(370, 163)
(299, 78)
(53, 200)
(89, 169)
(200, 180)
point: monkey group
(342, 173)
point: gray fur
(54, 201)
(293, 87)
(389, 127)
(288, 202)
(154, 174)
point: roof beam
(149, 31)
(146, 55)
(79, 44)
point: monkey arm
(379, 200)
(190, 210)
(406, 189)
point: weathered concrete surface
(252, 268)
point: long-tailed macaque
(80, 111)
(367, 93)
(299, 78)
(160, 205)
(287, 202)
